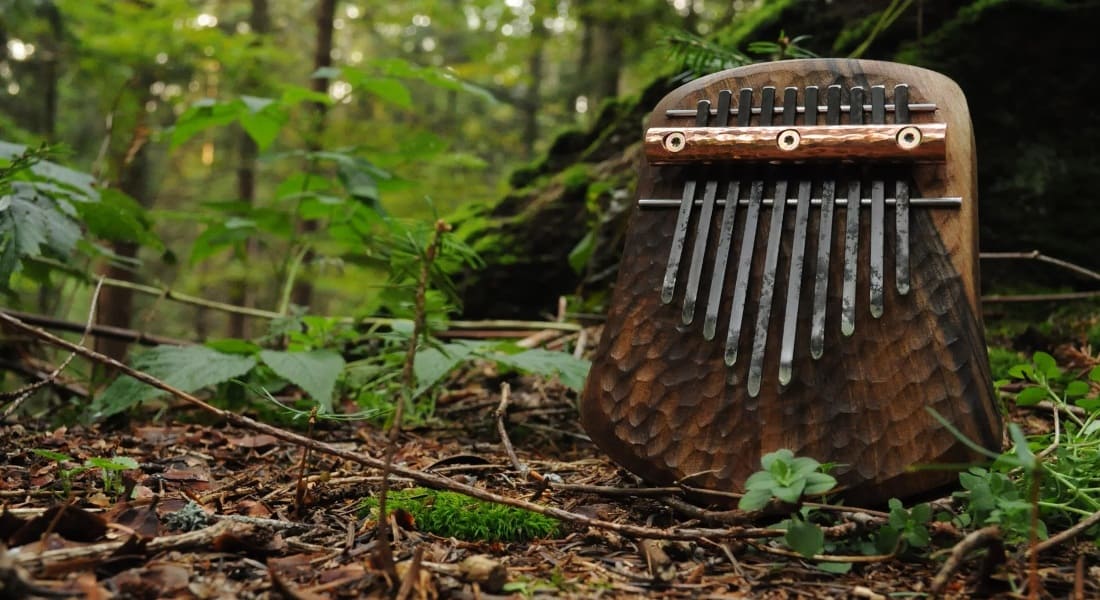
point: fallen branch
(1064, 536)
(426, 479)
(986, 537)
(1039, 256)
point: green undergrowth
(450, 514)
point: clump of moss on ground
(450, 514)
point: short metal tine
(798, 256)
(683, 219)
(702, 230)
(901, 201)
(725, 233)
(824, 238)
(748, 243)
(771, 262)
(851, 233)
(878, 213)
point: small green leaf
(1031, 396)
(117, 463)
(769, 459)
(1094, 374)
(1076, 388)
(805, 538)
(315, 371)
(582, 252)
(388, 89)
(838, 568)
(1046, 365)
(755, 499)
(790, 493)
(50, 454)
(539, 361)
(819, 483)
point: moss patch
(449, 514)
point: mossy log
(1025, 66)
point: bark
(240, 292)
(302, 294)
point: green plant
(110, 470)
(785, 477)
(450, 514)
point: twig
(1065, 536)
(427, 479)
(169, 542)
(408, 378)
(29, 389)
(830, 558)
(975, 540)
(1039, 256)
(100, 331)
(412, 575)
(501, 412)
(995, 299)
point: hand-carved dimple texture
(661, 401)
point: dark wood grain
(661, 401)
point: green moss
(576, 179)
(449, 514)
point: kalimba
(800, 272)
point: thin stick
(830, 558)
(1065, 536)
(408, 377)
(427, 479)
(1036, 255)
(997, 299)
(29, 389)
(987, 536)
(501, 412)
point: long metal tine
(683, 219)
(702, 230)
(725, 234)
(798, 257)
(878, 214)
(771, 261)
(901, 205)
(824, 238)
(748, 243)
(851, 234)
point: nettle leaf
(386, 88)
(433, 364)
(805, 538)
(118, 218)
(570, 369)
(188, 368)
(33, 225)
(263, 125)
(203, 115)
(315, 371)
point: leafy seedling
(785, 477)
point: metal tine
(702, 230)
(878, 213)
(901, 204)
(725, 234)
(683, 218)
(771, 261)
(824, 238)
(748, 242)
(851, 234)
(798, 256)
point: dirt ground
(219, 511)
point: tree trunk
(302, 294)
(240, 292)
(533, 101)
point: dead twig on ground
(1064, 536)
(986, 537)
(25, 392)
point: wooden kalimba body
(800, 272)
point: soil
(217, 511)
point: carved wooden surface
(661, 401)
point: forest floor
(272, 523)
